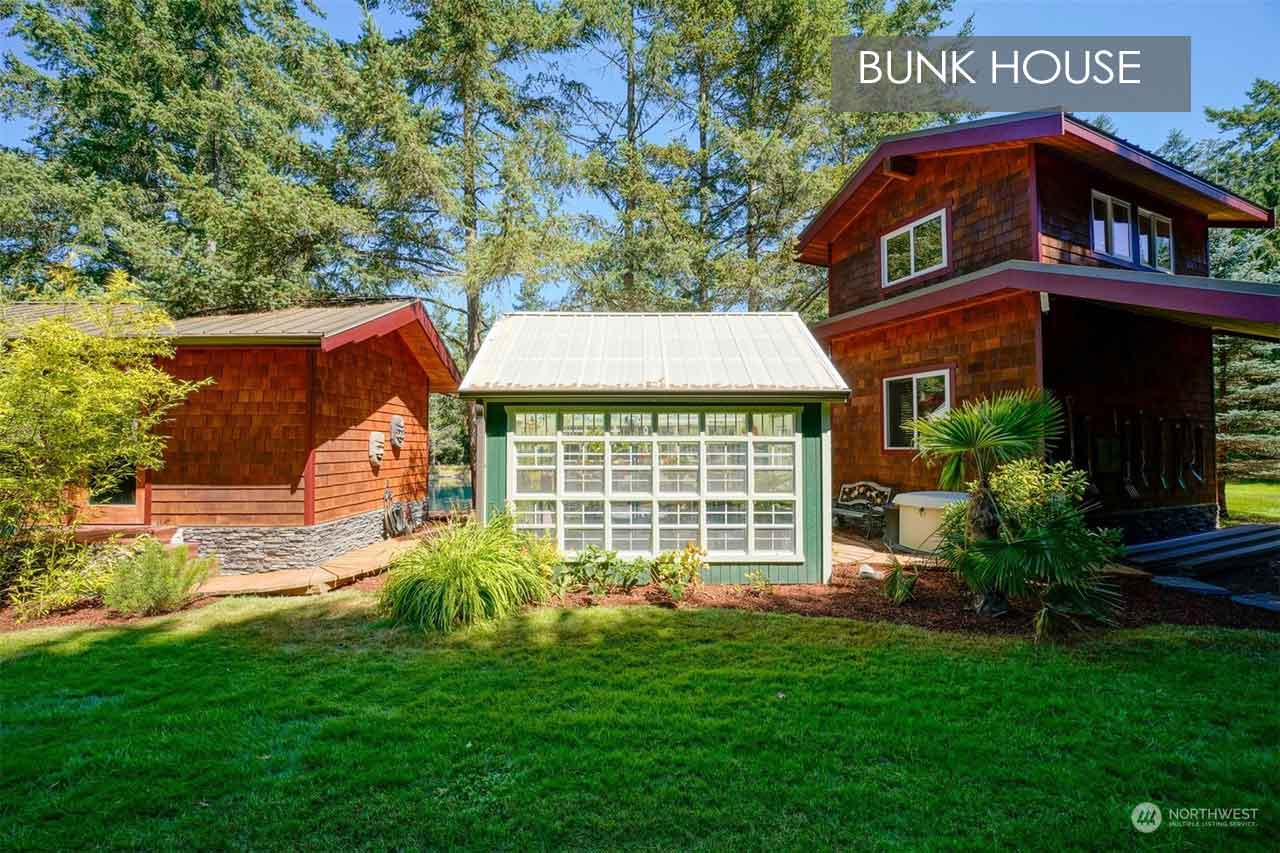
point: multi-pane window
(909, 397)
(583, 467)
(1112, 223)
(914, 249)
(646, 482)
(1155, 240)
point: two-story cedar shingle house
(1034, 251)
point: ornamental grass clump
(464, 575)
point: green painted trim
(811, 426)
(495, 459)
(811, 450)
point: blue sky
(1232, 43)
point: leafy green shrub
(676, 572)
(1044, 549)
(594, 569)
(899, 585)
(758, 583)
(464, 575)
(543, 553)
(628, 573)
(54, 575)
(151, 578)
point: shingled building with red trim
(1035, 251)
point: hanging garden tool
(1195, 439)
(1129, 488)
(1142, 450)
(1163, 452)
(1071, 430)
(1179, 460)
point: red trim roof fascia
(1213, 303)
(390, 322)
(1255, 216)
(1013, 131)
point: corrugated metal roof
(638, 354)
(313, 323)
(15, 315)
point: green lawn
(306, 723)
(1254, 501)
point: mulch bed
(941, 603)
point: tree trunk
(470, 227)
(629, 201)
(984, 525)
(703, 295)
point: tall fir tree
(475, 63)
(184, 143)
(1246, 372)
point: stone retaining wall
(243, 550)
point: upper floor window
(1155, 240)
(914, 249)
(1112, 226)
(918, 395)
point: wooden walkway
(338, 572)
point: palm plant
(974, 438)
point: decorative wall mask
(397, 431)
(377, 445)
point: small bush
(543, 554)
(464, 575)
(151, 578)
(758, 583)
(594, 569)
(899, 585)
(53, 576)
(1044, 551)
(628, 573)
(675, 572)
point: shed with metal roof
(642, 433)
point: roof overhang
(609, 397)
(1236, 307)
(890, 161)
(409, 320)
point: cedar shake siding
(987, 199)
(360, 387)
(988, 347)
(237, 449)
(1065, 190)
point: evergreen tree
(1246, 371)
(184, 143)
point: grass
(1254, 501)
(308, 723)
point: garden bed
(88, 615)
(941, 603)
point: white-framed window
(1111, 224)
(643, 482)
(1155, 240)
(914, 249)
(916, 395)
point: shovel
(1142, 451)
(1071, 430)
(1163, 453)
(1129, 488)
(1197, 439)
(1178, 447)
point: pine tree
(1246, 371)
(507, 159)
(182, 143)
